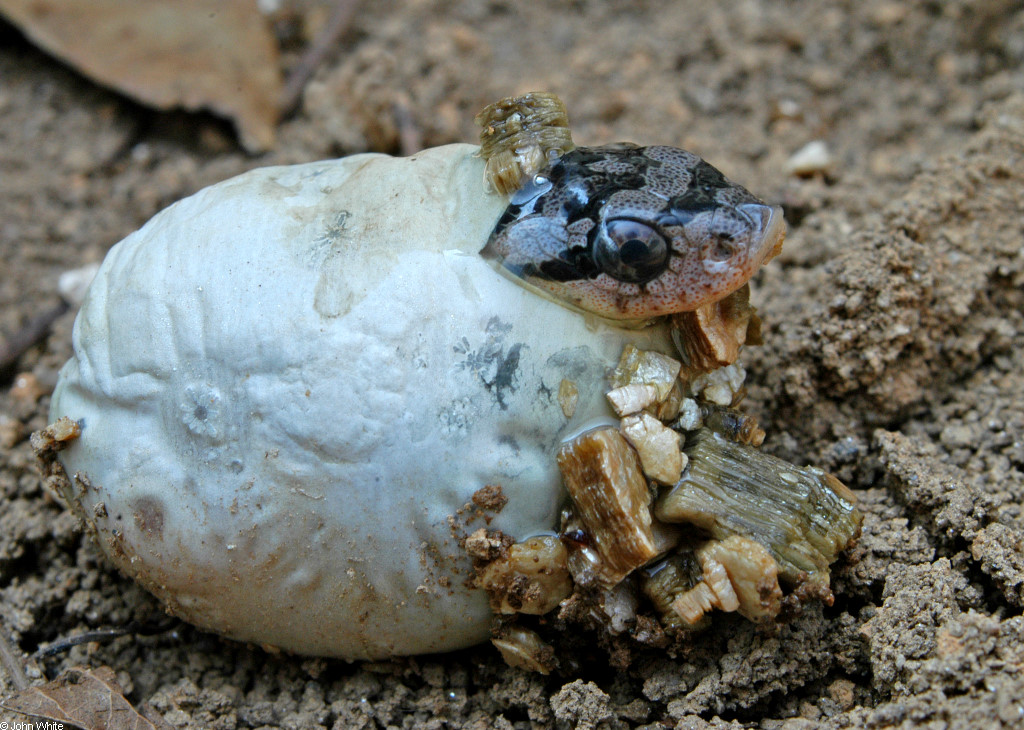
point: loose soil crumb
(893, 356)
(581, 704)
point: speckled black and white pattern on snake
(631, 232)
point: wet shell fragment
(568, 397)
(633, 398)
(646, 367)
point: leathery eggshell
(287, 384)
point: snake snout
(768, 228)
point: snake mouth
(772, 224)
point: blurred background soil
(894, 351)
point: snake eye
(630, 251)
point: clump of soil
(893, 356)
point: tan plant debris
(568, 396)
(804, 516)
(530, 577)
(519, 135)
(55, 437)
(611, 498)
(524, 649)
(711, 336)
(219, 55)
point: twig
(344, 10)
(31, 334)
(84, 638)
(12, 663)
(138, 628)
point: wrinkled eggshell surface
(288, 382)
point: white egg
(288, 384)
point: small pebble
(27, 389)
(11, 431)
(811, 159)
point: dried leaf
(218, 55)
(87, 698)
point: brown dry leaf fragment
(196, 54)
(87, 698)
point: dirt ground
(894, 351)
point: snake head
(631, 233)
